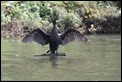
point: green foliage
(71, 13)
(44, 11)
(29, 10)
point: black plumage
(54, 39)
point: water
(99, 59)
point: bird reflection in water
(54, 60)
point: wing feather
(38, 36)
(72, 35)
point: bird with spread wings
(54, 39)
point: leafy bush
(71, 13)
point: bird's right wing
(38, 36)
(72, 35)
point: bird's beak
(59, 20)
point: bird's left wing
(71, 35)
(38, 36)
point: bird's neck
(54, 30)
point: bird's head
(54, 22)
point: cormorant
(54, 39)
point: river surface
(99, 59)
